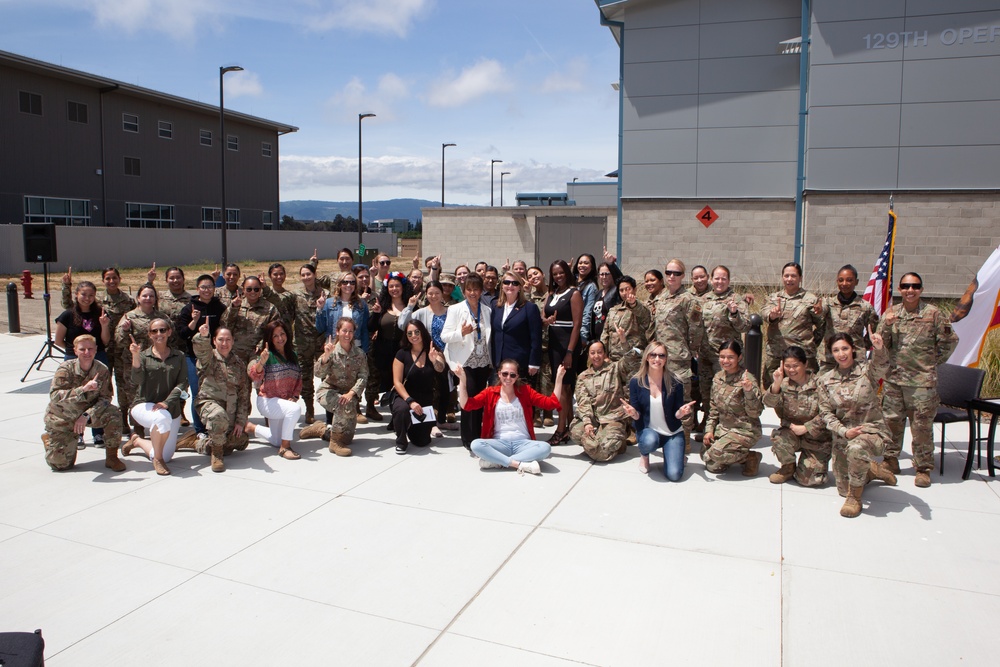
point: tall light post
(443, 146)
(222, 147)
(492, 162)
(502, 174)
(361, 224)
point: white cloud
(243, 84)
(379, 16)
(567, 80)
(178, 18)
(484, 78)
(355, 97)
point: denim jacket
(326, 320)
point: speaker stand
(48, 346)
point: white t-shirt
(508, 421)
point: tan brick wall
(753, 238)
(943, 237)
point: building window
(31, 103)
(265, 149)
(132, 166)
(210, 218)
(76, 112)
(156, 216)
(205, 137)
(74, 212)
(130, 122)
(232, 142)
(165, 130)
(268, 220)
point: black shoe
(98, 441)
(80, 444)
(400, 449)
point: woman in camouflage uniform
(725, 318)
(634, 319)
(794, 396)
(308, 342)
(134, 325)
(733, 426)
(223, 401)
(849, 406)
(792, 320)
(846, 312)
(246, 317)
(343, 369)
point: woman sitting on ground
(278, 380)
(507, 438)
(733, 426)
(414, 375)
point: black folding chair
(957, 385)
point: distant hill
(374, 210)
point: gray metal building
(79, 149)
(794, 120)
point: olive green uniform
(599, 395)
(799, 404)
(342, 372)
(223, 400)
(68, 401)
(852, 318)
(734, 420)
(799, 324)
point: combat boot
(187, 441)
(784, 474)
(217, 463)
(314, 430)
(881, 473)
(892, 463)
(337, 445)
(923, 479)
(852, 505)
(361, 417)
(373, 414)
(310, 414)
(751, 464)
(112, 461)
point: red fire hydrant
(26, 283)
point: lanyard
(479, 332)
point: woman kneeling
(278, 379)
(223, 401)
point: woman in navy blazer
(656, 403)
(517, 327)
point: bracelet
(408, 400)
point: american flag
(879, 290)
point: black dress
(561, 330)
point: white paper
(428, 415)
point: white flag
(977, 313)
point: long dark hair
(425, 337)
(289, 352)
(384, 299)
(570, 278)
(591, 277)
(77, 313)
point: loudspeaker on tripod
(39, 242)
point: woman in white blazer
(466, 336)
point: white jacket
(458, 348)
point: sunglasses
(911, 286)
(673, 273)
(348, 282)
(512, 282)
(384, 262)
(604, 274)
(206, 287)
(657, 355)
(413, 333)
(508, 374)
(251, 289)
(159, 331)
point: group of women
(420, 344)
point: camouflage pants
(919, 404)
(307, 348)
(606, 442)
(852, 458)
(773, 360)
(814, 455)
(729, 447)
(122, 373)
(219, 420)
(60, 453)
(708, 366)
(345, 417)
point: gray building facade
(798, 155)
(83, 150)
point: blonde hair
(642, 375)
(521, 299)
(678, 263)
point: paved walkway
(424, 559)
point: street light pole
(222, 147)
(492, 162)
(361, 224)
(443, 146)
(502, 174)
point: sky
(526, 82)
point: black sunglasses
(911, 286)
(511, 282)
(159, 331)
(251, 289)
(673, 273)
(384, 262)
(508, 374)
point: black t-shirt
(90, 323)
(418, 382)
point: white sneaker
(530, 467)
(486, 465)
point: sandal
(559, 437)
(287, 453)
(130, 445)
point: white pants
(282, 415)
(160, 421)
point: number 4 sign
(707, 216)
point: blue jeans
(193, 390)
(503, 451)
(102, 357)
(673, 451)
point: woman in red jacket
(508, 434)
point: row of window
(76, 112)
(76, 212)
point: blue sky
(525, 82)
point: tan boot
(784, 474)
(852, 506)
(881, 473)
(217, 463)
(923, 480)
(112, 461)
(751, 464)
(842, 486)
(314, 430)
(337, 445)
(361, 418)
(188, 440)
(310, 414)
(373, 414)
(892, 462)
(160, 466)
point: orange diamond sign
(707, 216)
